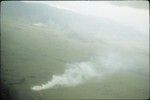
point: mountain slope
(79, 25)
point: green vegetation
(31, 54)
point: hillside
(70, 54)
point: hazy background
(76, 49)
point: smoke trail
(73, 75)
(78, 73)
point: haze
(74, 50)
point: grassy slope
(43, 51)
(29, 50)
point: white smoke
(73, 75)
(78, 73)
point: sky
(131, 13)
